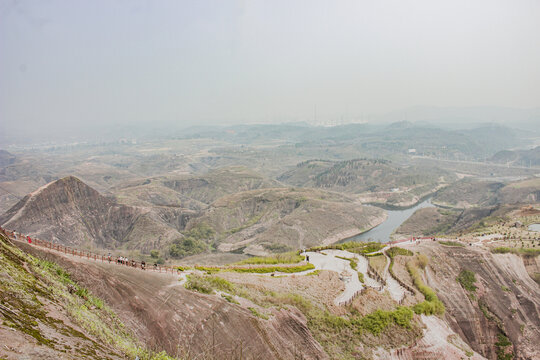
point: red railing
(115, 259)
(13, 235)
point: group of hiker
(121, 260)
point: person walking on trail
(29, 240)
(307, 258)
(143, 264)
(109, 257)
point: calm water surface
(394, 220)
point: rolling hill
(189, 191)
(468, 193)
(279, 219)
(377, 181)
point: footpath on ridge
(330, 259)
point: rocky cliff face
(72, 213)
(506, 302)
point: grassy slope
(41, 302)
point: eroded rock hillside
(262, 221)
(498, 301)
(190, 191)
(72, 213)
(378, 181)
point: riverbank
(351, 233)
(384, 231)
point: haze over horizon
(74, 65)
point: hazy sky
(66, 63)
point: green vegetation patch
(518, 251)
(283, 258)
(379, 320)
(394, 251)
(207, 284)
(361, 248)
(229, 298)
(452, 243)
(256, 313)
(271, 269)
(432, 305)
(258, 270)
(504, 346)
(28, 282)
(467, 279)
(193, 242)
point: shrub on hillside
(467, 279)
(432, 304)
(422, 261)
(207, 284)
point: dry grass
(378, 263)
